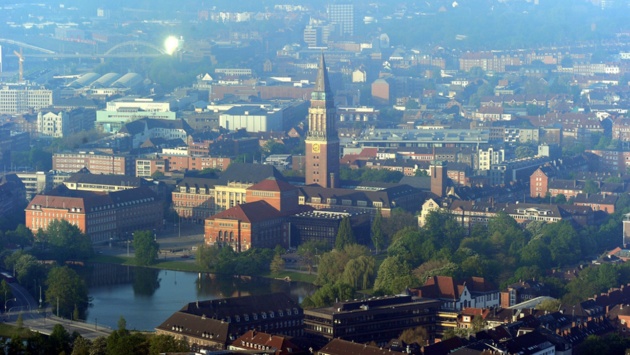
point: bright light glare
(170, 44)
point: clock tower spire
(322, 140)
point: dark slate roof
(386, 196)
(566, 184)
(192, 325)
(249, 173)
(419, 182)
(231, 307)
(197, 182)
(344, 347)
(595, 199)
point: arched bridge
(134, 45)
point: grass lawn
(7, 331)
(178, 266)
(192, 267)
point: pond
(146, 297)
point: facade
(16, 99)
(60, 123)
(470, 213)
(127, 109)
(539, 182)
(36, 182)
(95, 162)
(245, 226)
(456, 295)
(342, 15)
(489, 157)
(323, 225)
(12, 195)
(251, 119)
(322, 141)
(102, 216)
(439, 178)
(522, 291)
(214, 324)
(356, 200)
(52, 125)
(378, 319)
(104, 183)
(147, 128)
(193, 199)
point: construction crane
(21, 58)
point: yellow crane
(21, 68)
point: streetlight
(5, 303)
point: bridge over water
(129, 49)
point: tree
(345, 235)
(359, 272)
(99, 346)
(66, 289)
(478, 324)
(549, 305)
(394, 275)
(206, 256)
(5, 291)
(81, 346)
(59, 340)
(329, 294)
(524, 151)
(376, 231)
(161, 343)
(415, 335)
(277, 264)
(590, 187)
(145, 248)
(64, 241)
(309, 252)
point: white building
(53, 125)
(489, 157)
(251, 119)
(16, 99)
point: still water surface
(146, 297)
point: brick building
(249, 225)
(193, 199)
(102, 216)
(95, 162)
(214, 324)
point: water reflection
(146, 281)
(146, 297)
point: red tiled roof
(252, 338)
(249, 212)
(272, 184)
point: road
(42, 320)
(175, 243)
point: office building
(343, 17)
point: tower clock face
(315, 148)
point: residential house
(456, 295)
